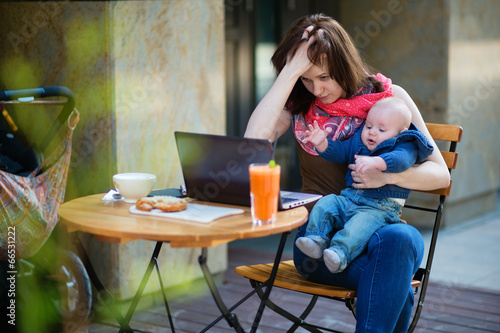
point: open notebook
(215, 168)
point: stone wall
(407, 41)
(444, 53)
(140, 70)
(473, 102)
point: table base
(226, 313)
(106, 296)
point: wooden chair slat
(289, 278)
(445, 132)
(450, 159)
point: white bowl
(134, 185)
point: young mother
(321, 77)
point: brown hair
(336, 47)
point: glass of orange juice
(264, 192)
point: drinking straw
(272, 163)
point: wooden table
(111, 221)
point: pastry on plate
(164, 203)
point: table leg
(105, 295)
(164, 296)
(231, 318)
(102, 292)
(152, 264)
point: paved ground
(469, 254)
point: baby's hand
(317, 137)
(366, 163)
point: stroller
(44, 287)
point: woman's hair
(335, 47)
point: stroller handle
(39, 92)
(51, 91)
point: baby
(340, 226)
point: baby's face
(380, 125)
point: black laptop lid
(215, 167)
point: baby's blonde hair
(397, 107)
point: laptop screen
(215, 167)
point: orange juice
(264, 191)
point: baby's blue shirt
(399, 153)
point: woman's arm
(431, 174)
(270, 115)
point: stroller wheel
(75, 291)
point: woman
(321, 77)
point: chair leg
(351, 305)
(297, 321)
(424, 274)
(420, 304)
(270, 282)
(304, 314)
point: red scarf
(344, 116)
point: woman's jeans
(381, 275)
(345, 223)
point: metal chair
(287, 276)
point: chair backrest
(453, 135)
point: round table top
(112, 221)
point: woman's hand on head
(271, 115)
(300, 61)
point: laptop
(215, 168)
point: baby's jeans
(345, 223)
